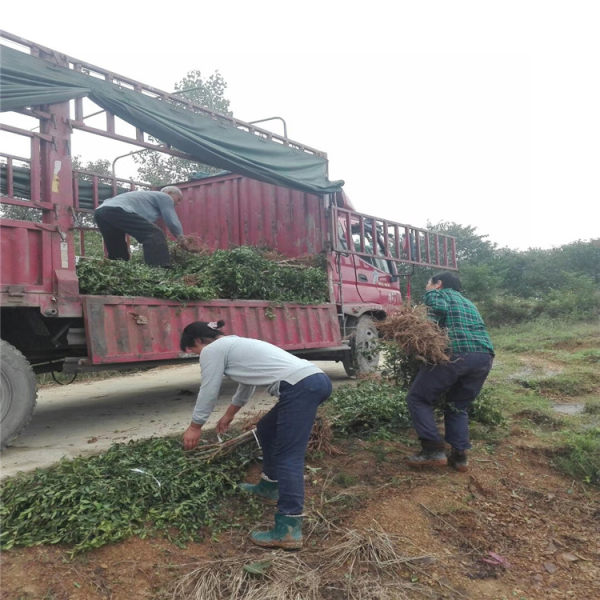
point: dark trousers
(461, 380)
(284, 433)
(114, 223)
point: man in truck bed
(134, 213)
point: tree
(22, 187)
(101, 167)
(93, 245)
(471, 247)
(160, 169)
(474, 254)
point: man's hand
(191, 436)
(223, 423)
(189, 243)
(225, 420)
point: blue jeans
(461, 379)
(284, 433)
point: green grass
(543, 334)
(580, 455)
(546, 362)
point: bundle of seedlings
(415, 334)
(321, 435)
(143, 487)
(217, 450)
(197, 273)
(411, 339)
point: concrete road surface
(87, 417)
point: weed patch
(580, 457)
(571, 384)
(540, 419)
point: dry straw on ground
(415, 334)
(361, 565)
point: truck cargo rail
(396, 242)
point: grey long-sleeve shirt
(149, 205)
(248, 362)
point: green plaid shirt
(465, 327)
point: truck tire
(363, 357)
(18, 392)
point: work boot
(266, 488)
(458, 460)
(432, 455)
(286, 534)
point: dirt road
(85, 418)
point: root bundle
(415, 335)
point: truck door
(345, 268)
(376, 279)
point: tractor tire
(18, 392)
(363, 357)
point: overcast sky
(482, 113)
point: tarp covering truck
(275, 194)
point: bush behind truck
(274, 194)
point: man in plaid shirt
(461, 379)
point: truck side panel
(22, 260)
(231, 210)
(121, 329)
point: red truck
(266, 199)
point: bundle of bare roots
(210, 452)
(190, 243)
(321, 435)
(321, 438)
(362, 565)
(416, 335)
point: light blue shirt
(249, 363)
(149, 205)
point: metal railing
(375, 238)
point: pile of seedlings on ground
(140, 488)
(133, 489)
(358, 564)
(242, 273)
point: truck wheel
(363, 357)
(17, 392)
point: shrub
(485, 409)
(371, 406)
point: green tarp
(21, 178)
(29, 81)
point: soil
(511, 527)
